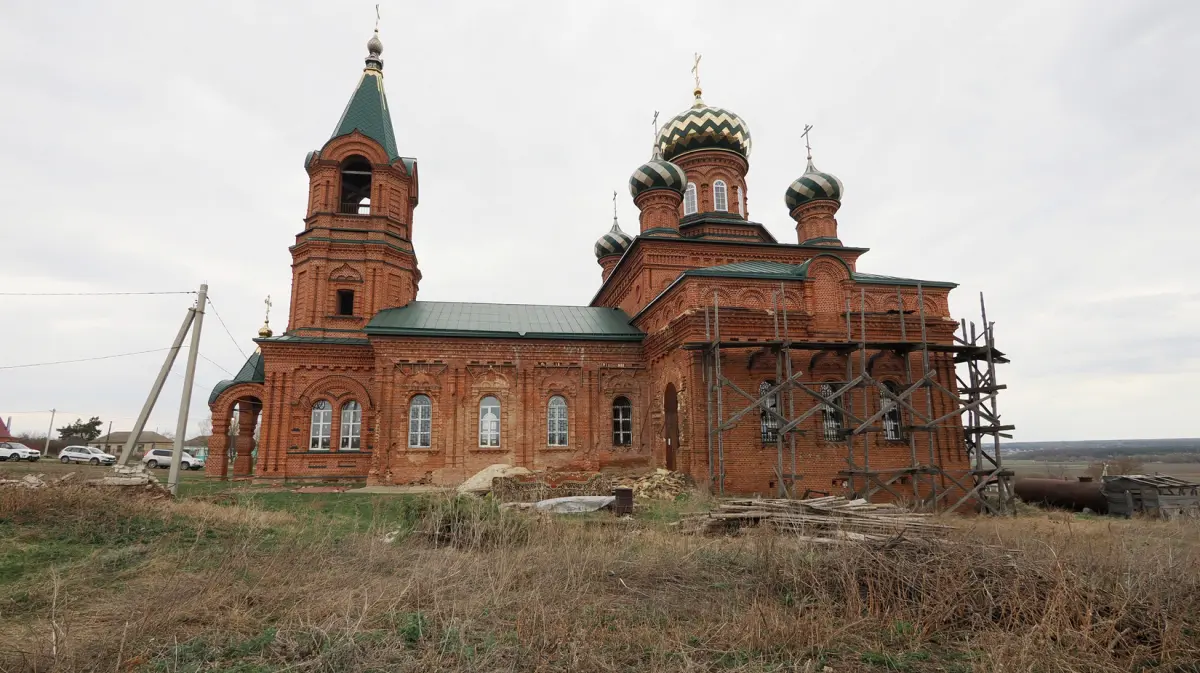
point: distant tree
(1126, 465)
(205, 425)
(81, 430)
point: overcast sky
(1046, 154)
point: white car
(162, 458)
(16, 451)
(86, 454)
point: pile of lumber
(830, 519)
(657, 485)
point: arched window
(356, 187)
(891, 414)
(831, 417)
(322, 423)
(741, 201)
(768, 424)
(556, 421)
(489, 421)
(351, 434)
(689, 199)
(720, 196)
(622, 412)
(420, 422)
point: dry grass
(191, 586)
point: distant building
(197, 446)
(146, 442)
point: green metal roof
(368, 113)
(251, 372)
(518, 321)
(304, 339)
(781, 271)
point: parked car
(162, 458)
(16, 451)
(86, 454)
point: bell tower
(355, 255)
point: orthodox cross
(267, 301)
(376, 18)
(614, 207)
(696, 69)
(807, 128)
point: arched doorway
(671, 424)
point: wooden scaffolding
(791, 401)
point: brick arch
(342, 147)
(753, 299)
(221, 409)
(319, 390)
(885, 364)
(827, 364)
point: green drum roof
(515, 321)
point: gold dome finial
(265, 332)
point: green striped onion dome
(703, 127)
(615, 242)
(813, 186)
(657, 174)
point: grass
(261, 580)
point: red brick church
(369, 382)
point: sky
(1044, 154)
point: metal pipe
(1073, 495)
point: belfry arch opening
(356, 186)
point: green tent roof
(367, 112)
(516, 321)
(251, 372)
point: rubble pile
(830, 520)
(132, 477)
(657, 485)
(481, 482)
(538, 486)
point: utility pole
(156, 388)
(185, 399)
(46, 451)
(108, 437)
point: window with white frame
(720, 196)
(322, 424)
(351, 435)
(831, 416)
(689, 199)
(622, 422)
(768, 424)
(420, 422)
(741, 201)
(891, 414)
(489, 421)
(556, 421)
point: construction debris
(657, 485)
(131, 477)
(828, 520)
(481, 482)
(538, 486)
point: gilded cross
(267, 301)
(696, 69)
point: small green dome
(657, 174)
(615, 242)
(704, 127)
(813, 186)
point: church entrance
(671, 424)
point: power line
(235, 343)
(216, 365)
(85, 294)
(102, 357)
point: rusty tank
(1073, 495)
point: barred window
(768, 424)
(489, 421)
(420, 422)
(556, 421)
(622, 414)
(720, 196)
(831, 417)
(351, 434)
(689, 199)
(891, 414)
(322, 424)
